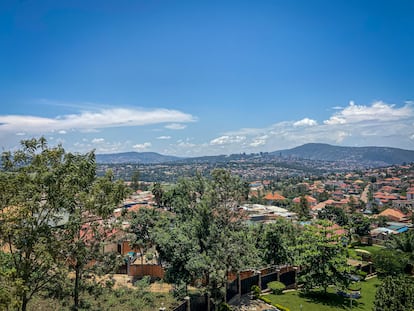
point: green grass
(316, 301)
(372, 248)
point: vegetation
(395, 294)
(47, 196)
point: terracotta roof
(274, 197)
(393, 213)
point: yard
(316, 301)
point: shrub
(362, 274)
(225, 307)
(256, 291)
(276, 287)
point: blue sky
(195, 78)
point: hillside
(372, 155)
(134, 157)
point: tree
(90, 203)
(158, 193)
(334, 214)
(206, 238)
(54, 217)
(278, 237)
(32, 183)
(403, 244)
(135, 180)
(142, 224)
(322, 257)
(395, 294)
(302, 208)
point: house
(311, 200)
(274, 197)
(393, 214)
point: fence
(182, 307)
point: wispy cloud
(227, 139)
(98, 140)
(175, 126)
(141, 147)
(87, 120)
(164, 137)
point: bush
(256, 291)
(276, 287)
(225, 307)
(362, 274)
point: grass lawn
(372, 248)
(317, 302)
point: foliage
(403, 244)
(206, 238)
(225, 307)
(256, 291)
(275, 240)
(142, 225)
(322, 257)
(395, 294)
(360, 224)
(54, 218)
(276, 287)
(334, 214)
(389, 262)
(302, 208)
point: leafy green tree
(322, 257)
(206, 237)
(158, 193)
(91, 201)
(334, 214)
(395, 294)
(360, 224)
(142, 224)
(403, 244)
(55, 216)
(302, 208)
(389, 262)
(135, 180)
(278, 238)
(32, 183)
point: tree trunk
(77, 285)
(24, 302)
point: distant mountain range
(373, 155)
(134, 157)
(370, 156)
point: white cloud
(62, 132)
(164, 137)
(227, 139)
(259, 141)
(20, 134)
(90, 121)
(379, 111)
(98, 140)
(175, 126)
(305, 122)
(143, 146)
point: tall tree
(322, 257)
(50, 212)
(32, 183)
(206, 237)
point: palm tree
(404, 243)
